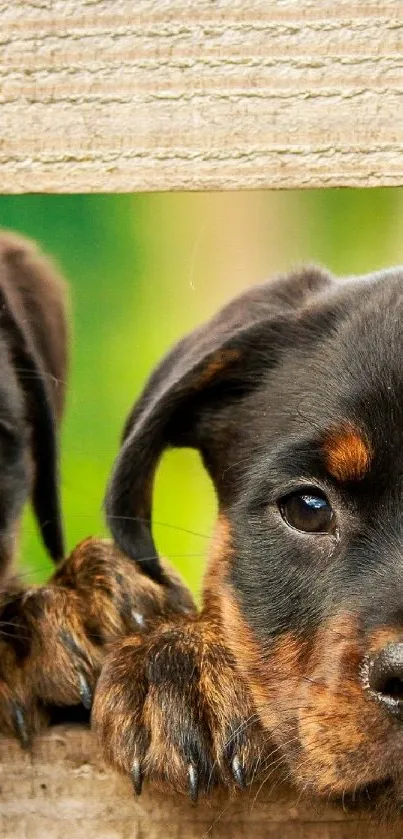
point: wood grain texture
(221, 94)
(62, 790)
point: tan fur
(348, 454)
(217, 365)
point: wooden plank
(63, 789)
(221, 94)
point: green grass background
(142, 270)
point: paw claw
(85, 692)
(137, 777)
(193, 782)
(21, 726)
(238, 771)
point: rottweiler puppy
(293, 394)
(52, 638)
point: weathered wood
(63, 790)
(221, 94)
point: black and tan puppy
(293, 394)
(52, 638)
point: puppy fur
(296, 386)
(33, 371)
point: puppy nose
(385, 678)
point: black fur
(33, 362)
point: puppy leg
(53, 638)
(172, 708)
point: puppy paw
(171, 708)
(53, 639)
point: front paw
(55, 637)
(172, 708)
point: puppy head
(294, 396)
(33, 365)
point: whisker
(275, 765)
(217, 819)
(12, 635)
(241, 728)
(257, 766)
(31, 374)
(163, 524)
(141, 519)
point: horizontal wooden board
(63, 790)
(220, 94)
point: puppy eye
(308, 512)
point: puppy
(293, 394)
(33, 364)
(52, 638)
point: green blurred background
(143, 269)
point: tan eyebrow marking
(348, 453)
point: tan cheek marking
(272, 677)
(222, 540)
(219, 362)
(383, 636)
(218, 566)
(348, 454)
(315, 686)
(336, 650)
(341, 733)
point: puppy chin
(377, 787)
(391, 795)
(383, 799)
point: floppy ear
(33, 319)
(183, 403)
